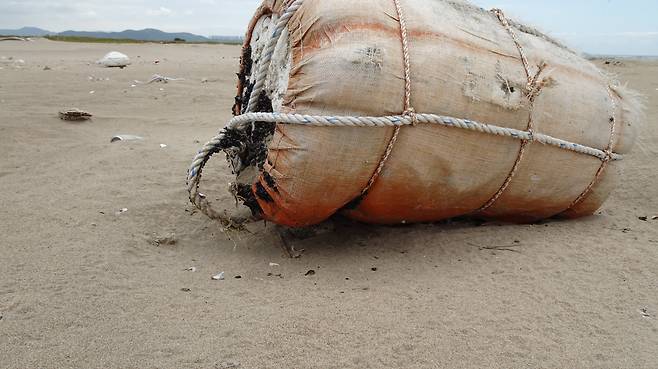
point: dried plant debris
(74, 115)
(163, 79)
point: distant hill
(25, 32)
(148, 34)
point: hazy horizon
(601, 27)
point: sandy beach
(85, 283)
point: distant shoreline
(97, 40)
(134, 41)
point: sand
(83, 285)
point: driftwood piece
(74, 115)
(14, 38)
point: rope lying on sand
(409, 117)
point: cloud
(161, 11)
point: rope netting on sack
(409, 117)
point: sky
(620, 27)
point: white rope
(390, 121)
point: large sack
(344, 58)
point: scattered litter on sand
(114, 59)
(229, 365)
(156, 78)
(274, 264)
(126, 138)
(615, 63)
(162, 146)
(168, 239)
(47, 68)
(163, 79)
(98, 79)
(310, 272)
(191, 269)
(74, 115)
(218, 277)
(185, 289)
(10, 61)
(92, 92)
(121, 211)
